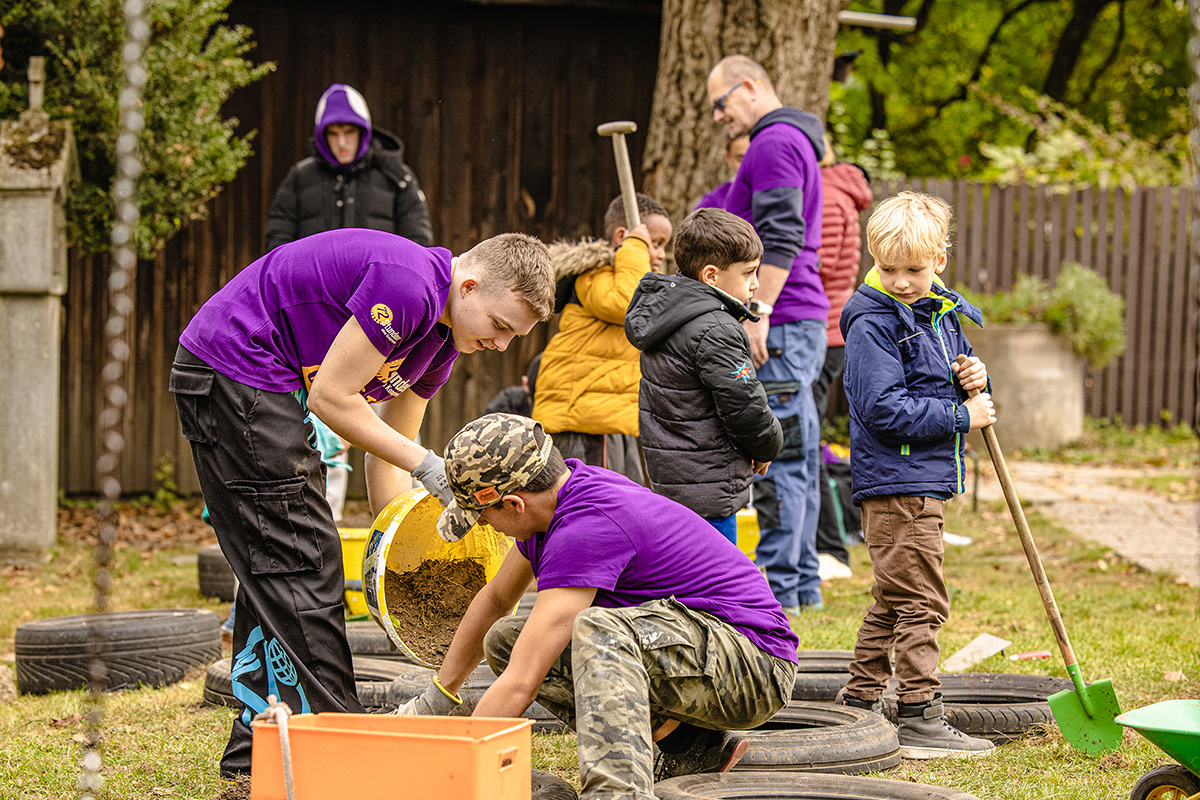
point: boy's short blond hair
(517, 262)
(909, 229)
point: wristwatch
(759, 308)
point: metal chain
(120, 282)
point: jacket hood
(572, 259)
(851, 179)
(664, 303)
(871, 298)
(808, 124)
(341, 103)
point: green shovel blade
(1094, 733)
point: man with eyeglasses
(778, 190)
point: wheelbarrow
(1172, 726)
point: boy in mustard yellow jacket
(587, 389)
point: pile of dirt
(142, 527)
(427, 603)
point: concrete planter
(1037, 382)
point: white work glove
(431, 472)
(433, 702)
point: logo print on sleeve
(743, 373)
(383, 318)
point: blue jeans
(788, 498)
(727, 526)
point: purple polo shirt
(634, 546)
(778, 190)
(272, 324)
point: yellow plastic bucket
(354, 542)
(747, 531)
(403, 536)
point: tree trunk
(1070, 46)
(794, 40)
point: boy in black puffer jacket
(706, 428)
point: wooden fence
(1137, 240)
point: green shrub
(1079, 306)
(188, 150)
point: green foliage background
(188, 148)
(1079, 305)
(1126, 96)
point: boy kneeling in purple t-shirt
(627, 641)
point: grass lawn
(1138, 629)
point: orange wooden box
(379, 756)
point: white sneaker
(829, 568)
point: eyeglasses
(719, 103)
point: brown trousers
(904, 538)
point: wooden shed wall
(497, 107)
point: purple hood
(341, 103)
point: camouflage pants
(628, 670)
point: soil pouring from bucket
(427, 603)
(417, 586)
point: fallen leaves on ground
(142, 527)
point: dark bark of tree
(1070, 45)
(794, 40)
(884, 41)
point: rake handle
(1031, 552)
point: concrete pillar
(1037, 381)
(37, 163)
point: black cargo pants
(265, 489)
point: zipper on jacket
(934, 319)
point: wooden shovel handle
(617, 131)
(1031, 553)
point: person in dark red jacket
(847, 192)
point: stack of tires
(815, 749)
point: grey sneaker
(713, 751)
(842, 698)
(924, 733)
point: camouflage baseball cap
(495, 455)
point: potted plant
(1036, 341)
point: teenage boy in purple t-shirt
(628, 641)
(331, 323)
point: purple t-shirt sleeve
(438, 373)
(387, 323)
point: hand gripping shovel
(1087, 714)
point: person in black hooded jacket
(706, 427)
(356, 179)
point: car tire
(546, 786)
(368, 639)
(214, 574)
(818, 737)
(818, 687)
(145, 648)
(824, 661)
(798, 786)
(999, 707)
(416, 680)
(375, 680)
